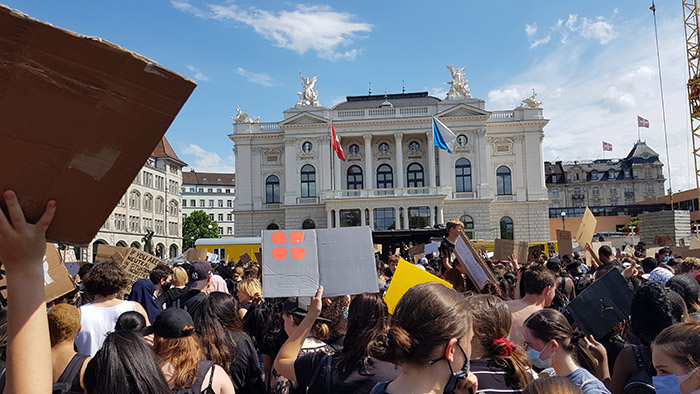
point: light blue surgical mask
(536, 360)
(670, 384)
(666, 259)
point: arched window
(468, 226)
(122, 244)
(463, 173)
(273, 226)
(385, 177)
(135, 245)
(308, 181)
(134, 200)
(173, 250)
(148, 203)
(160, 205)
(506, 228)
(415, 175)
(354, 177)
(308, 224)
(173, 208)
(503, 187)
(272, 190)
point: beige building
(605, 182)
(394, 178)
(213, 193)
(152, 202)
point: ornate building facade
(213, 193)
(394, 178)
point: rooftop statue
(459, 86)
(308, 96)
(531, 102)
(242, 117)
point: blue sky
(592, 63)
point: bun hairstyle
(548, 324)
(492, 321)
(427, 316)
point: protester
(293, 314)
(498, 364)
(431, 363)
(660, 274)
(247, 289)
(552, 385)
(68, 366)
(352, 370)
(161, 276)
(181, 359)
(224, 342)
(142, 291)
(539, 284)
(218, 284)
(447, 246)
(124, 364)
(551, 342)
(196, 293)
(648, 264)
(22, 247)
(105, 280)
(171, 297)
(132, 321)
(689, 289)
(690, 266)
(676, 351)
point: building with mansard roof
(287, 175)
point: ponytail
(581, 349)
(513, 359)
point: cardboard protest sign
(245, 258)
(196, 254)
(378, 248)
(417, 249)
(296, 262)
(564, 243)
(406, 276)
(73, 267)
(432, 248)
(533, 253)
(137, 263)
(694, 243)
(258, 257)
(57, 280)
(585, 231)
(471, 261)
(602, 305)
(80, 116)
(504, 248)
(595, 246)
(651, 252)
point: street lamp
(563, 220)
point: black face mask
(166, 286)
(455, 377)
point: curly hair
(105, 278)
(653, 309)
(64, 323)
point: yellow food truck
(230, 248)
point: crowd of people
(205, 328)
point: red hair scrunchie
(508, 348)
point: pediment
(305, 118)
(463, 110)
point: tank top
(69, 381)
(96, 323)
(204, 367)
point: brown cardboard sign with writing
(417, 249)
(111, 253)
(651, 252)
(564, 243)
(196, 254)
(533, 253)
(585, 231)
(258, 257)
(245, 258)
(479, 273)
(137, 263)
(504, 248)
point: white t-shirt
(96, 323)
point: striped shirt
(493, 379)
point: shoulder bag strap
(317, 371)
(328, 374)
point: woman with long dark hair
(353, 369)
(225, 343)
(124, 364)
(498, 364)
(550, 341)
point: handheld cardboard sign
(585, 231)
(651, 252)
(80, 116)
(479, 273)
(602, 305)
(534, 252)
(694, 243)
(418, 249)
(295, 262)
(137, 263)
(406, 276)
(196, 254)
(73, 267)
(504, 248)
(258, 257)
(564, 243)
(245, 258)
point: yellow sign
(406, 276)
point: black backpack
(641, 382)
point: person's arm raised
(22, 249)
(284, 363)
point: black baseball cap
(199, 274)
(171, 323)
(293, 306)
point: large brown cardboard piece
(80, 117)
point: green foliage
(633, 222)
(195, 226)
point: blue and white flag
(443, 137)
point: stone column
(363, 222)
(431, 159)
(399, 171)
(441, 217)
(482, 167)
(369, 172)
(291, 180)
(433, 211)
(337, 218)
(397, 224)
(405, 218)
(258, 182)
(337, 180)
(329, 219)
(324, 147)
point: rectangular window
(221, 252)
(221, 203)
(229, 230)
(192, 190)
(229, 217)
(649, 187)
(201, 203)
(613, 190)
(193, 203)
(229, 203)
(210, 190)
(218, 190)
(228, 190)
(555, 192)
(211, 216)
(201, 190)
(350, 218)
(418, 217)
(184, 203)
(211, 203)
(221, 217)
(221, 230)
(384, 219)
(596, 191)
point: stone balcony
(441, 191)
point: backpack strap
(328, 374)
(211, 376)
(317, 372)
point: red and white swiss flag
(641, 122)
(335, 143)
(607, 146)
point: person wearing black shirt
(447, 246)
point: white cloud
(314, 28)
(205, 161)
(439, 92)
(593, 93)
(541, 41)
(599, 29)
(198, 75)
(531, 29)
(257, 78)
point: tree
(197, 225)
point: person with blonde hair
(170, 297)
(247, 291)
(676, 356)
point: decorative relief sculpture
(242, 117)
(308, 96)
(459, 86)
